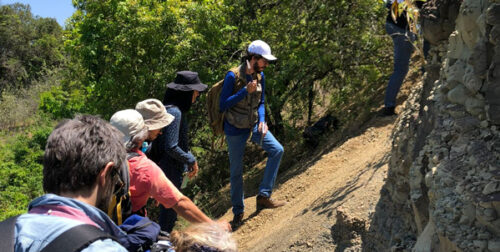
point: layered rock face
(443, 186)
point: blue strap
(7, 238)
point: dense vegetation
(117, 53)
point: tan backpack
(215, 116)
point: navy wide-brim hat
(187, 81)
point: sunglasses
(120, 184)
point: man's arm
(189, 211)
(262, 110)
(227, 99)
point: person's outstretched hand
(225, 225)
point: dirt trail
(348, 179)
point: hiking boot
(267, 202)
(387, 111)
(237, 221)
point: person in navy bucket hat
(171, 150)
(187, 81)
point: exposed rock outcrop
(443, 186)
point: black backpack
(120, 206)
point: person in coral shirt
(146, 178)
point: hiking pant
(168, 216)
(236, 148)
(403, 48)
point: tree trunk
(310, 103)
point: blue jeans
(236, 148)
(403, 48)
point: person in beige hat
(155, 116)
(146, 178)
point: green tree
(128, 50)
(29, 46)
(314, 40)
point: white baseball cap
(262, 48)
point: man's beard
(256, 67)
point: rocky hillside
(443, 186)
(433, 184)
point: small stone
(491, 187)
(435, 159)
(469, 211)
(484, 124)
(483, 236)
(482, 215)
(474, 106)
(492, 168)
(457, 95)
(472, 161)
(490, 213)
(485, 204)
(494, 246)
(448, 181)
(481, 244)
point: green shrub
(21, 169)
(60, 103)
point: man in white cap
(146, 178)
(242, 99)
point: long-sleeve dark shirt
(173, 143)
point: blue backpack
(142, 233)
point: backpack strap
(73, 239)
(7, 238)
(77, 238)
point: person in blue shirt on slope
(242, 99)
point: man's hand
(194, 171)
(252, 86)
(224, 224)
(263, 128)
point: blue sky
(58, 9)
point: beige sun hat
(154, 113)
(129, 122)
